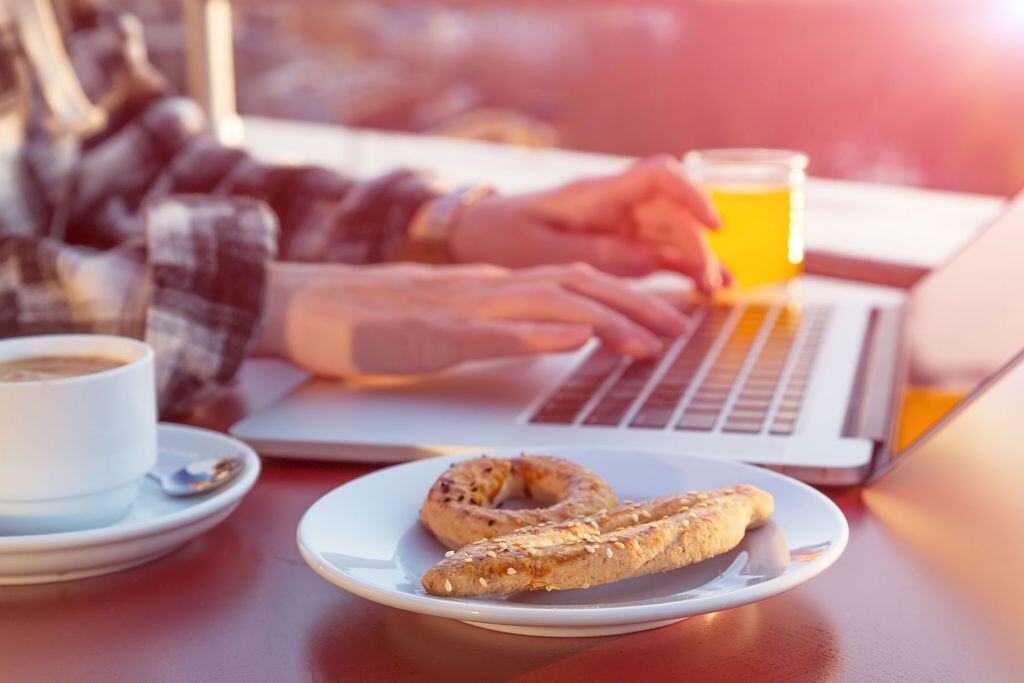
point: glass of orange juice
(760, 196)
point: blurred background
(928, 93)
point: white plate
(366, 537)
(156, 524)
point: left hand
(650, 217)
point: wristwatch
(431, 229)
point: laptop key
(652, 417)
(751, 405)
(607, 415)
(703, 409)
(655, 402)
(553, 417)
(697, 422)
(668, 391)
(745, 417)
(742, 427)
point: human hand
(650, 217)
(393, 319)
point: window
(907, 91)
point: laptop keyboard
(743, 369)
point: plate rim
(527, 615)
(153, 526)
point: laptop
(798, 379)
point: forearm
(323, 215)
(284, 281)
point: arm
(159, 145)
(324, 215)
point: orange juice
(761, 238)
(760, 195)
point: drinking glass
(760, 196)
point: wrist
(283, 281)
(287, 285)
(432, 230)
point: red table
(240, 604)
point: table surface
(240, 604)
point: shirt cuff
(208, 260)
(367, 224)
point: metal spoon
(199, 476)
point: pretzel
(636, 539)
(464, 503)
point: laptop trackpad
(481, 398)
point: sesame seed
(468, 560)
(503, 546)
(591, 549)
(449, 553)
(491, 553)
(620, 544)
(635, 517)
(448, 585)
(608, 552)
(585, 586)
(685, 523)
(483, 581)
(612, 539)
(549, 588)
(531, 552)
(645, 513)
(510, 571)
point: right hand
(650, 217)
(400, 319)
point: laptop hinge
(869, 408)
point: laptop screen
(963, 324)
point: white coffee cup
(73, 450)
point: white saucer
(366, 537)
(156, 525)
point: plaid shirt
(151, 228)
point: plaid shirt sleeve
(193, 289)
(165, 233)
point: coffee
(54, 367)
